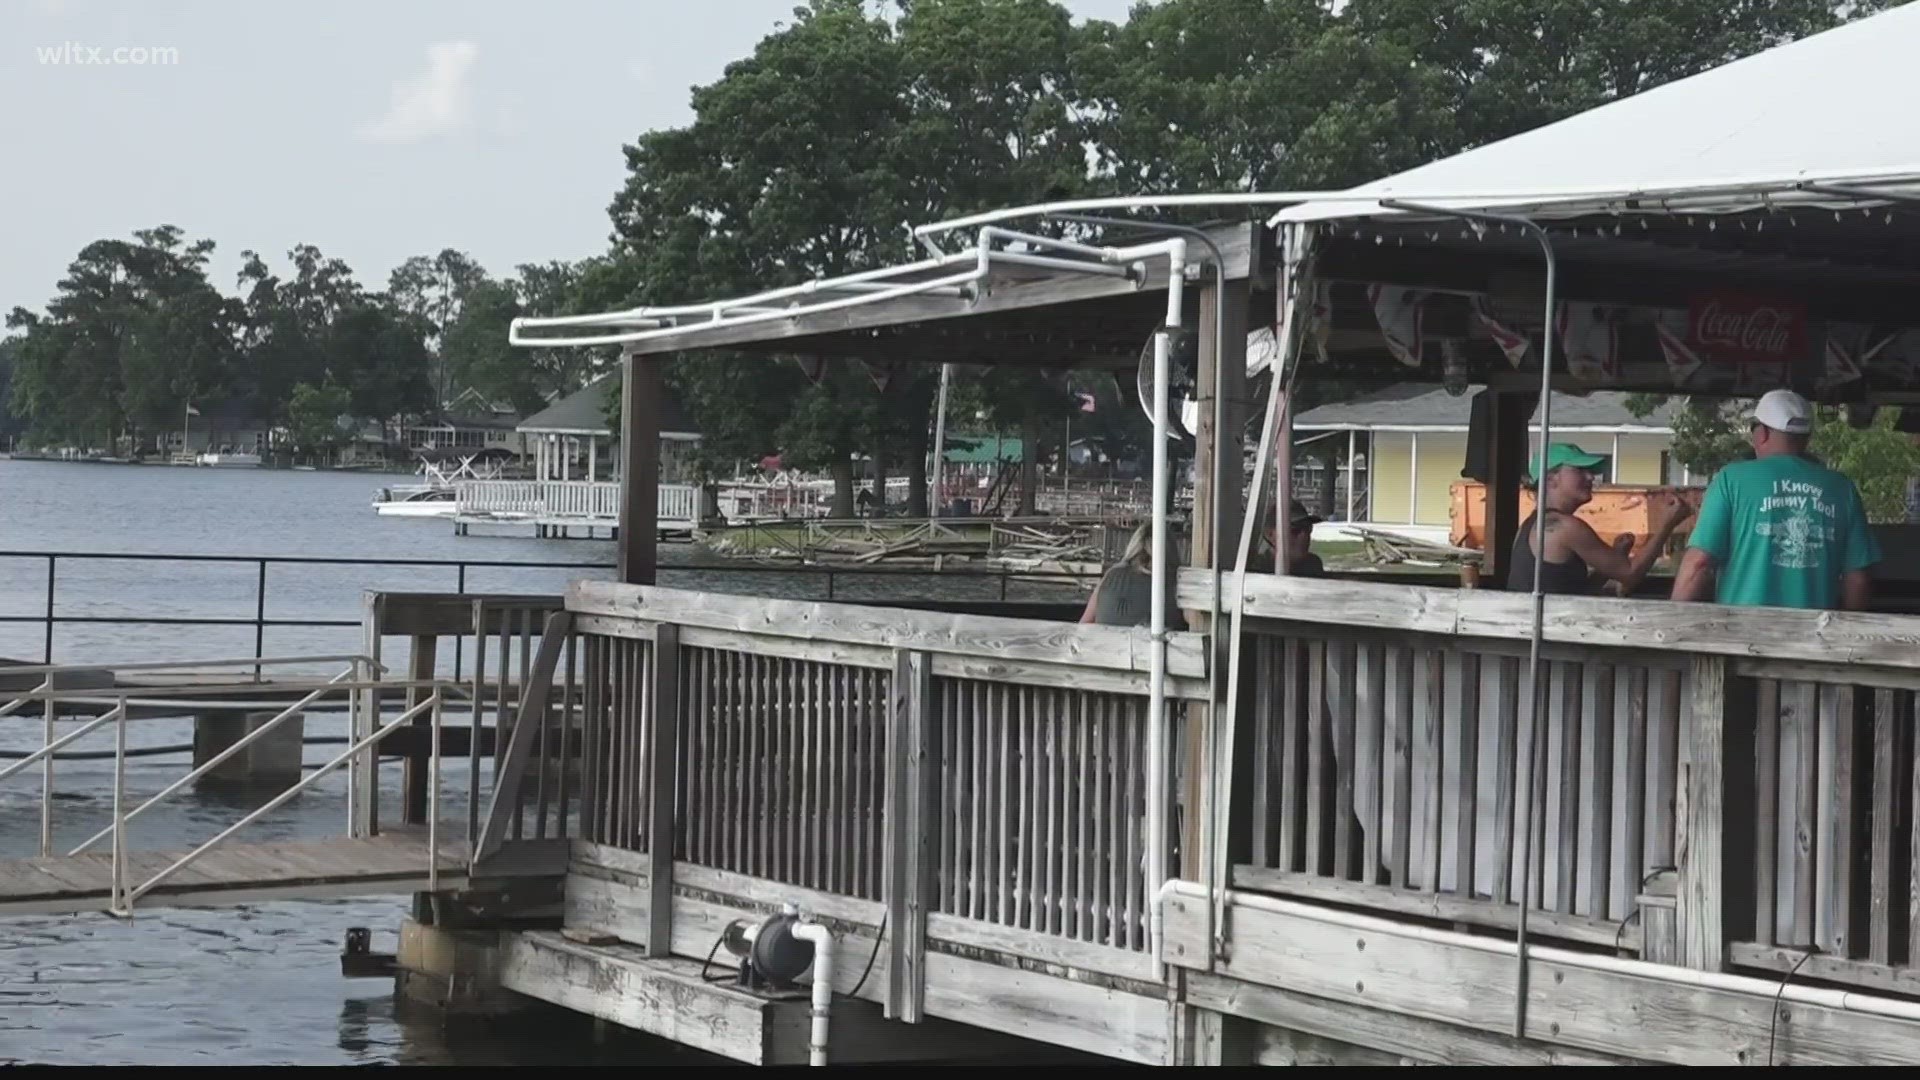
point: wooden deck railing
(1388, 768)
(983, 781)
(1761, 764)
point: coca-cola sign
(1742, 328)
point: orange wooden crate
(1616, 509)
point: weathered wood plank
(1594, 832)
(1833, 852)
(1629, 789)
(1711, 903)
(1461, 768)
(1426, 1041)
(1369, 756)
(1080, 1015)
(1319, 730)
(1457, 979)
(989, 637)
(663, 752)
(1452, 908)
(1888, 641)
(1766, 780)
(1804, 806)
(603, 902)
(910, 789)
(1295, 721)
(944, 929)
(1397, 776)
(1866, 974)
(1886, 809)
(1430, 725)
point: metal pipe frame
(868, 286)
(1199, 236)
(432, 702)
(285, 714)
(1533, 742)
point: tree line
(137, 335)
(812, 157)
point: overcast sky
(375, 130)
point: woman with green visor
(1572, 557)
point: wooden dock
(391, 862)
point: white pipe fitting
(822, 940)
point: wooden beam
(1839, 639)
(1446, 907)
(640, 392)
(662, 757)
(908, 822)
(990, 637)
(1423, 1040)
(1507, 457)
(1621, 1007)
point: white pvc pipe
(1176, 252)
(822, 940)
(1643, 969)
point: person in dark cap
(1301, 560)
(1570, 556)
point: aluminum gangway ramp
(108, 872)
(235, 872)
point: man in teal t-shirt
(1781, 530)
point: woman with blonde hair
(1124, 596)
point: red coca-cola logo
(1738, 327)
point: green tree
(434, 289)
(133, 334)
(1710, 433)
(313, 417)
(320, 327)
(785, 174)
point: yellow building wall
(1640, 458)
(1396, 476)
(1441, 456)
(1388, 471)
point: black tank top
(1564, 577)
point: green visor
(1560, 453)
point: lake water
(258, 984)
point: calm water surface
(259, 984)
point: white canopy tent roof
(1836, 107)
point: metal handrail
(430, 704)
(49, 617)
(361, 675)
(213, 762)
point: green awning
(982, 449)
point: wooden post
(908, 824)
(1713, 816)
(640, 391)
(413, 785)
(1510, 415)
(662, 753)
(1210, 444)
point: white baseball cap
(1784, 410)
